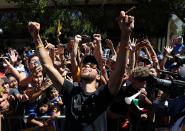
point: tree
(73, 20)
(151, 16)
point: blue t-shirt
(178, 48)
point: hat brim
(90, 59)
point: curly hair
(140, 73)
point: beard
(87, 78)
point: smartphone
(37, 63)
(106, 53)
(2, 61)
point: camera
(180, 60)
(173, 87)
(38, 63)
(175, 75)
(2, 61)
(106, 53)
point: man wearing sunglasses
(86, 102)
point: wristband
(39, 46)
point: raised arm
(152, 53)
(54, 75)
(33, 94)
(51, 49)
(132, 55)
(126, 24)
(166, 53)
(98, 52)
(74, 54)
(111, 47)
(11, 68)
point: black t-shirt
(130, 111)
(85, 111)
(119, 106)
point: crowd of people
(95, 87)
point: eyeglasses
(92, 65)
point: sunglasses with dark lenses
(92, 65)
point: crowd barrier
(18, 123)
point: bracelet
(39, 46)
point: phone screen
(106, 53)
(37, 63)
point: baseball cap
(90, 59)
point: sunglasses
(92, 65)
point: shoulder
(69, 87)
(13, 90)
(103, 94)
(67, 83)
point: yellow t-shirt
(76, 76)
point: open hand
(13, 54)
(132, 45)
(168, 50)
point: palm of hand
(133, 45)
(168, 49)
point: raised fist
(78, 38)
(97, 38)
(126, 23)
(34, 28)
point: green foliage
(151, 16)
(31, 9)
(73, 20)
